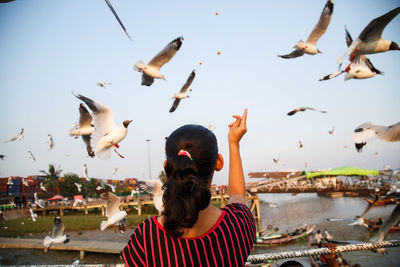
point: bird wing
(166, 54)
(368, 63)
(349, 40)
(89, 149)
(322, 24)
(374, 29)
(58, 229)
(113, 203)
(295, 53)
(363, 133)
(147, 80)
(151, 186)
(85, 119)
(116, 16)
(332, 75)
(174, 105)
(188, 82)
(290, 113)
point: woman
(192, 232)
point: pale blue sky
(50, 48)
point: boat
(276, 239)
(376, 224)
(382, 202)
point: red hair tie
(185, 153)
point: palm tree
(51, 177)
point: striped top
(227, 243)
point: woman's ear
(220, 163)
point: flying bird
(182, 93)
(360, 68)
(37, 200)
(152, 69)
(25, 182)
(31, 156)
(276, 160)
(78, 186)
(332, 131)
(116, 16)
(85, 172)
(33, 215)
(107, 134)
(57, 235)
(18, 136)
(328, 236)
(300, 144)
(42, 187)
(370, 40)
(367, 132)
(103, 85)
(10, 181)
(2, 157)
(113, 213)
(112, 187)
(115, 170)
(50, 141)
(154, 187)
(309, 47)
(84, 129)
(290, 113)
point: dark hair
(186, 191)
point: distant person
(191, 231)
(318, 238)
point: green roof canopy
(343, 171)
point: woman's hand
(237, 128)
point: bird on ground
(37, 200)
(42, 187)
(309, 47)
(103, 85)
(85, 172)
(78, 186)
(332, 131)
(294, 111)
(360, 68)
(152, 69)
(107, 134)
(33, 214)
(367, 132)
(50, 141)
(154, 187)
(18, 136)
(10, 181)
(370, 40)
(182, 93)
(115, 170)
(118, 19)
(84, 128)
(57, 235)
(300, 144)
(276, 160)
(31, 156)
(113, 213)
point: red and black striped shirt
(227, 243)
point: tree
(51, 178)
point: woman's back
(227, 243)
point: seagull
(328, 236)
(42, 187)
(18, 136)
(78, 186)
(10, 181)
(360, 220)
(154, 187)
(370, 40)
(85, 172)
(303, 109)
(135, 191)
(50, 141)
(113, 213)
(300, 144)
(25, 182)
(31, 156)
(84, 129)
(107, 134)
(309, 47)
(57, 235)
(116, 16)
(33, 215)
(152, 69)
(2, 157)
(360, 68)
(276, 160)
(182, 93)
(36, 199)
(112, 187)
(115, 170)
(211, 127)
(332, 131)
(103, 85)
(367, 132)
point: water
(293, 211)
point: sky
(50, 48)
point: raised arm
(237, 192)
